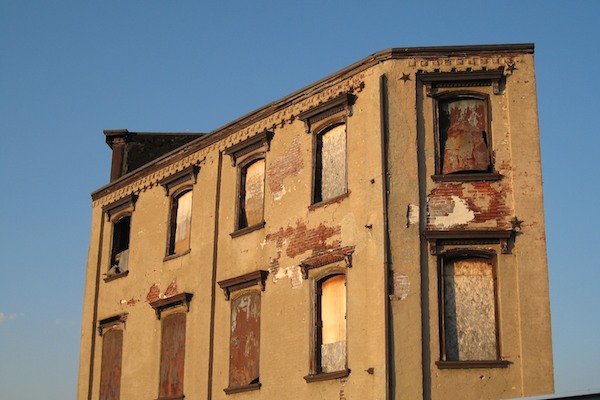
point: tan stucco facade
(395, 226)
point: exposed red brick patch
(132, 302)
(300, 238)
(153, 293)
(487, 200)
(171, 289)
(289, 164)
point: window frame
(468, 253)
(115, 212)
(167, 309)
(172, 228)
(241, 227)
(318, 121)
(107, 328)
(233, 288)
(316, 373)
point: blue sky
(69, 69)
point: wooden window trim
(258, 277)
(170, 252)
(315, 374)
(438, 240)
(181, 299)
(453, 254)
(185, 177)
(341, 104)
(317, 200)
(469, 78)
(245, 388)
(115, 212)
(240, 194)
(107, 323)
(261, 141)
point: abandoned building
(378, 234)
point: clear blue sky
(69, 69)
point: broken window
(251, 193)
(330, 163)
(180, 222)
(120, 246)
(172, 356)
(463, 137)
(110, 373)
(468, 306)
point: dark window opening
(120, 246)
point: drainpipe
(214, 278)
(95, 315)
(384, 119)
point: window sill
(116, 276)
(325, 203)
(325, 376)
(482, 177)
(171, 398)
(177, 255)
(472, 364)
(248, 229)
(239, 389)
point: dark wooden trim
(245, 388)
(189, 174)
(127, 202)
(176, 255)
(116, 276)
(329, 108)
(243, 281)
(326, 258)
(248, 229)
(470, 177)
(247, 146)
(328, 202)
(327, 376)
(111, 321)
(433, 80)
(179, 299)
(438, 239)
(472, 364)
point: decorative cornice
(238, 150)
(124, 203)
(467, 78)
(437, 239)
(336, 105)
(188, 174)
(241, 282)
(326, 258)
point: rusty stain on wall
(287, 165)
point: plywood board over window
(331, 164)
(333, 323)
(110, 374)
(172, 356)
(252, 194)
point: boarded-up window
(172, 356)
(110, 374)
(331, 323)
(464, 140)
(181, 217)
(252, 193)
(244, 340)
(330, 164)
(120, 245)
(469, 309)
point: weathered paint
(172, 355)
(458, 213)
(288, 165)
(110, 375)
(245, 339)
(301, 238)
(469, 310)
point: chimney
(117, 141)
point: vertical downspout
(95, 315)
(384, 116)
(214, 279)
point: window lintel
(345, 102)
(438, 239)
(326, 258)
(115, 208)
(109, 322)
(249, 145)
(189, 174)
(483, 77)
(243, 281)
(179, 299)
